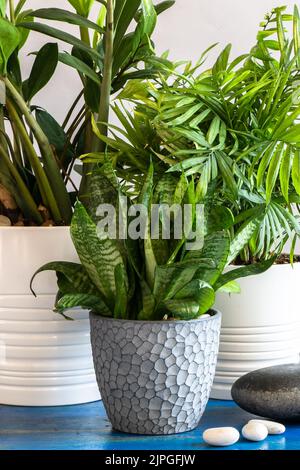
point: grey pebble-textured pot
(155, 377)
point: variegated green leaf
(97, 252)
(169, 279)
(244, 271)
(85, 301)
(185, 309)
(216, 247)
(121, 281)
(243, 237)
(72, 274)
(148, 301)
(232, 287)
(200, 291)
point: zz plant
(107, 55)
(147, 278)
(30, 170)
(37, 153)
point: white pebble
(221, 436)
(272, 427)
(255, 432)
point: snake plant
(236, 124)
(147, 278)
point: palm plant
(234, 124)
(106, 56)
(147, 278)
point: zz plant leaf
(9, 41)
(42, 70)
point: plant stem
(84, 34)
(51, 167)
(71, 110)
(88, 137)
(24, 192)
(17, 146)
(103, 113)
(12, 11)
(43, 183)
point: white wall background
(186, 30)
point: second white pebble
(254, 432)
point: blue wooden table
(86, 427)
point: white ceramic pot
(45, 360)
(260, 326)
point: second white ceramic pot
(260, 326)
(45, 360)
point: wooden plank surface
(87, 427)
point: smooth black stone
(272, 392)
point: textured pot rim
(216, 314)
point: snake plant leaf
(232, 287)
(148, 302)
(169, 279)
(185, 309)
(74, 277)
(100, 191)
(57, 14)
(121, 281)
(216, 247)
(164, 195)
(84, 301)
(180, 190)
(9, 40)
(244, 271)
(145, 199)
(83, 7)
(99, 256)
(243, 236)
(218, 218)
(200, 291)
(42, 70)
(165, 189)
